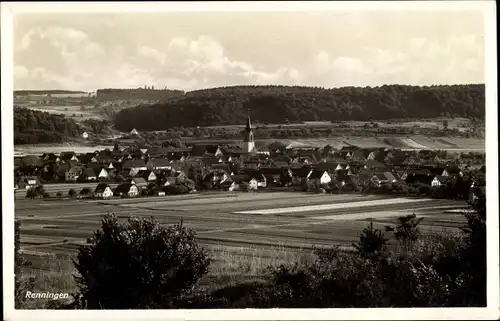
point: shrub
(138, 265)
(85, 191)
(59, 194)
(71, 192)
(407, 231)
(372, 243)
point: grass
(230, 266)
(51, 274)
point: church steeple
(249, 124)
(248, 140)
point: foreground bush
(138, 264)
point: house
(216, 178)
(228, 186)
(452, 171)
(134, 132)
(242, 182)
(101, 173)
(439, 180)
(174, 177)
(206, 150)
(300, 174)
(127, 190)
(67, 156)
(319, 177)
(31, 182)
(419, 178)
(134, 166)
(158, 163)
(148, 175)
(72, 174)
(88, 174)
(103, 190)
(31, 161)
(257, 175)
(138, 181)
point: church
(248, 139)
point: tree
(407, 231)
(71, 192)
(138, 264)
(445, 124)
(85, 191)
(372, 243)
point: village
(159, 171)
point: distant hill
(45, 92)
(33, 127)
(139, 94)
(275, 104)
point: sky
(194, 50)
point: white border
(488, 9)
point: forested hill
(45, 92)
(33, 127)
(276, 104)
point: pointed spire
(249, 123)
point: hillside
(139, 93)
(32, 127)
(38, 127)
(45, 92)
(278, 104)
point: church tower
(248, 142)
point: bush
(71, 192)
(138, 265)
(85, 191)
(59, 194)
(372, 243)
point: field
(244, 233)
(69, 111)
(292, 220)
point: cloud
(70, 55)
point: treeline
(32, 127)
(138, 93)
(279, 104)
(45, 92)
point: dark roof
(123, 188)
(88, 172)
(134, 163)
(241, 178)
(155, 162)
(101, 187)
(301, 172)
(31, 160)
(426, 179)
(138, 180)
(316, 174)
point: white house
(319, 176)
(103, 191)
(73, 173)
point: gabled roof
(157, 162)
(31, 160)
(101, 187)
(123, 188)
(138, 181)
(241, 178)
(316, 174)
(134, 163)
(89, 172)
(302, 171)
(442, 179)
